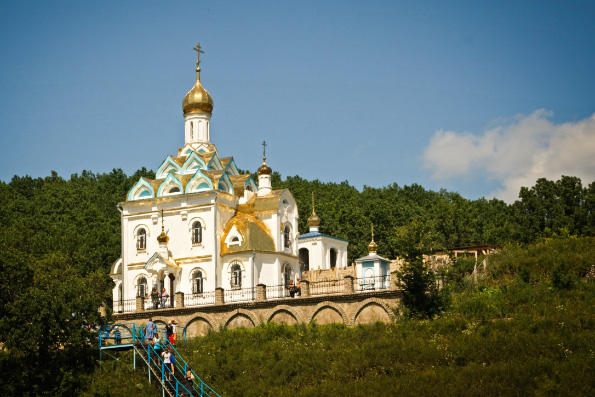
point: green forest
(59, 237)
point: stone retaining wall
(349, 309)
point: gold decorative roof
(372, 247)
(313, 220)
(197, 100)
(255, 233)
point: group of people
(151, 331)
(159, 298)
(294, 289)
(168, 356)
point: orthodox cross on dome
(313, 212)
(264, 147)
(198, 52)
(372, 231)
(163, 227)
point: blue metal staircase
(131, 336)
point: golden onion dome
(197, 100)
(163, 237)
(372, 247)
(264, 169)
(313, 220)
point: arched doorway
(305, 259)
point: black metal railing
(240, 295)
(277, 291)
(124, 306)
(326, 287)
(202, 299)
(364, 284)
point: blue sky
(475, 97)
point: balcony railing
(202, 299)
(270, 292)
(365, 284)
(277, 291)
(327, 287)
(240, 295)
(125, 306)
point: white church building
(201, 225)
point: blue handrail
(180, 360)
(130, 334)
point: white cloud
(516, 152)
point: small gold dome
(163, 238)
(264, 169)
(313, 220)
(372, 247)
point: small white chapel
(201, 225)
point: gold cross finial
(313, 202)
(198, 52)
(264, 146)
(162, 226)
(372, 232)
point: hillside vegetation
(516, 332)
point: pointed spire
(372, 247)
(313, 220)
(198, 52)
(163, 237)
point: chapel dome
(264, 169)
(197, 100)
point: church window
(191, 130)
(142, 287)
(174, 189)
(333, 257)
(287, 237)
(196, 233)
(305, 259)
(141, 239)
(249, 188)
(197, 282)
(236, 275)
(235, 239)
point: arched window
(287, 274)
(236, 275)
(174, 189)
(305, 259)
(196, 233)
(141, 239)
(333, 258)
(197, 282)
(191, 130)
(286, 237)
(142, 287)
